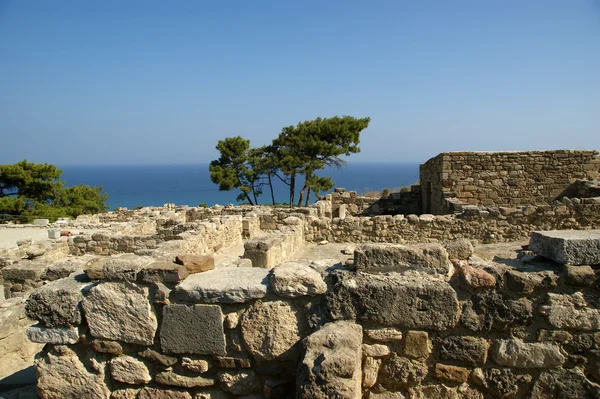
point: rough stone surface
(196, 263)
(399, 372)
(573, 247)
(428, 258)
(107, 346)
(516, 353)
(572, 312)
(504, 383)
(295, 279)
(121, 312)
(332, 363)
(412, 302)
(196, 365)
(59, 336)
(240, 382)
(64, 376)
(157, 357)
(459, 249)
(271, 329)
(582, 276)
(124, 267)
(178, 380)
(384, 334)
(194, 329)
(224, 285)
(375, 350)
(163, 272)
(564, 384)
(417, 344)
(453, 374)
(489, 310)
(467, 350)
(475, 277)
(155, 393)
(129, 370)
(370, 371)
(57, 304)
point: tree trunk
(271, 188)
(249, 199)
(307, 198)
(303, 191)
(292, 189)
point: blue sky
(120, 82)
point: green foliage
(29, 190)
(405, 189)
(385, 192)
(203, 205)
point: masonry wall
(400, 203)
(503, 178)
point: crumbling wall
(502, 178)
(350, 203)
(425, 328)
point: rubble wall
(502, 178)
(352, 204)
(470, 329)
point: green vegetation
(29, 191)
(299, 150)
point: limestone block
(129, 370)
(572, 312)
(332, 363)
(370, 371)
(57, 304)
(476, 278)
(271, 329)
(582, 276)
(564, 384)
(225, 285)
(41, 222)
(124, 267)
(452, 374)
(120, 312)
(57, 336)
(295, 279)
(417, 344)
(384, 334)
(381, 258)
(467, 350)
(243, 382)
(196, 263)
(158, 358)
(178, 380)
(196, 365)
(375, 350)
(394, 300)
(399, 372)
(24, 270)
(163, 272)
(156, 393)
(488, 309)
(516, 353)
(574, 247)
(193, 329)
(386, 395)
(107, 346)
(63, 375)
(459, 249)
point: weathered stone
(554, 336)
(487, 310)
(573, 247)
(177, 380)
(128, 393)
(240, 382)
(107, 346)
(57, 336)
(417, 344)
(129, 370)
(459, 249)
(516, 353)
(160, 294)
(467, 350)
(476, 278)
(226, 362)
(450, 373)
(193, 329)
(386, 395)
(564, 384)
(399, 372)
(370, 371)
(64, 376)
(375, 350)
(163, 272)
(394, 300)
(224, 285)
(156, 393)
(271, 329)
(214, 393)
(384, 334)
(380, 258)
(574, 311)
(581, 276)
(232, 320)
(196, 263)
(157, 357)
(440, 391)
(332, 363)
(503, 383)
(527, 282)
(62, 269)
(124, 267)
(295, 279)
(57, 304)
(120, 312)
(196, 365)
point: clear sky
(120, 82)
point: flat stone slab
(573, 247)
(224, 285)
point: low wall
(471, 330)
(350, 203)
(275, 248)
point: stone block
(461, 249)
(295, 279)
(573, 247)
(163, 272)
(393, 300)
(331, 367)
(121, 312)
(243, 382)
(196, 263)
(516, 353)
(58, 304)
(193, 329)
(417, 344)
(56, 336)
(574, 311)
(53, 234)
(41, 222)
(178, 380)
(381, 258)
(129, 370)
(384, 334)
(399, 372)
(224, 285)
(582, 276)
(125, 267)
(466, 350)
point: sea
(131, 186)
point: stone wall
(502, 178)
(350, 203)
(425, 328)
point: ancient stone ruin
(322, 302)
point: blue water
(155, 185)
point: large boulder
(331, 367)
(393, 300)
(295, 279)
(573, 247)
